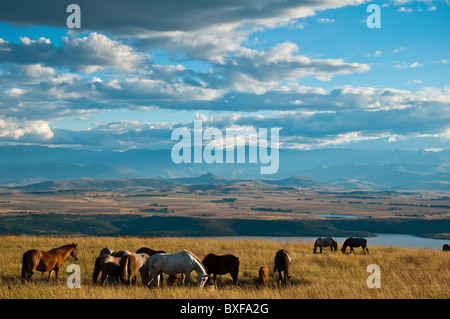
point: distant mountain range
(374, 169)
(128, 185)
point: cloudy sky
(136, 70)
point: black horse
(221, 265)
(355, 242)
(282, 263)
(446, 247)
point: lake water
(400, 240)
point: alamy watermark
(74, 279)
(73, 21)
(374, 20)
(374, 280)
(221, 149)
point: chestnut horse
(221, 265)
(263, 275)
(51, 260)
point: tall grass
(405, 272)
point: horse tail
(29, 259)
(128, 263)
(124, 268)
(97, 270)
(25, 265)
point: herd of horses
(124, 266)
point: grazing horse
(355, 242)
(150, 252)
(172, 264)
(51, 260)
(263, 275)
(282, 263)
(446, 247)
(325, 242)
(139, 259)
(125, 267)
(221, 265)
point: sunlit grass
(405, 272)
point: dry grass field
(405, 273)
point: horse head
(202, 279)
(74, 252)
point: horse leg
(279, 277)
(103, 277)
(215, 280)
(234, 274)
(187, 278)
(56, 269)
(352, 250)
(320, 249)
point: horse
(150, 252)
(282, 263)
(107, 251)
(221, 265)
(355, 242)
(325, 242)
(263, 275)
(172, 264)
(43, 261)
(125, 267)
(446, 247)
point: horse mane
(65, 246)
(196, 258)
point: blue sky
(136, 70)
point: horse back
(282, 260)
(221, 265)
(263, 275)
(148, 251)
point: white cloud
(376, 53)
(415, 65)
(32, 130)
(407, 10)
(325, 20)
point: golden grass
(405, 273)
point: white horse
(182, 262)
(325, 242)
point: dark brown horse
(149, 251)
(125, 267)
(173, 279)
(446, 247)
(263, 275)
(282, 264)
(355, 242)
(51, 260)
(221, 265)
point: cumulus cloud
(201, 29)
(13, 129)
(87, 54)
